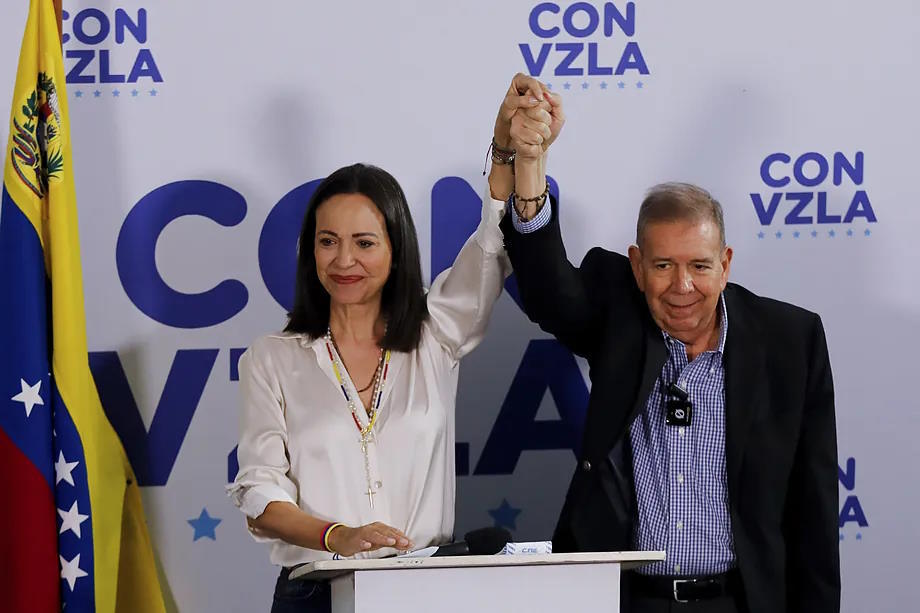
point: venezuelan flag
(72, 529)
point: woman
(347, 425)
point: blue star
(505, 515)
(639, 84)
(621, 85)
(603, 84)
(859, 536)
(134, 93)
(779, 235)
(584, 85)
(850, 232)
(566, 86)
(116, 93)
(814, 234)
(549, 86)
(832, 234)
(796, 234)
(153, 92)
(760, 235)
(841, 536)
(97, 93)
(204, 525)
(78, 94)
(868, 232)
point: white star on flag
(72, 519)
(63, 468)
(71, 571)
(29, 396)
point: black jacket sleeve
(563, 300)
(812, 507)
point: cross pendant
(370, 493)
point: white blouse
(299, 443)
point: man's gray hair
(667, 202)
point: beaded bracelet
(326, 532)
(539, 200)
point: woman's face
(352, 249)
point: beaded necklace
(366, 432)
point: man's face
(682, 269)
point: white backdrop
(262, 98)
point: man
(710, 431)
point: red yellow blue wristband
(326, 532)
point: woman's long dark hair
(403, 300)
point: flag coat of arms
(72, 529)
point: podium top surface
(324, 569)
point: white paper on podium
(528, 549)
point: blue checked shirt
(679, 472)
(681, 482)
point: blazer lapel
(656, 354)
(609, 428)
(745, 384)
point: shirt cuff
(252, 500)
(489, 234)
(539, 221)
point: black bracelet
(535, 198)
(503, 157)
(540, 200)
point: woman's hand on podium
(347, 541)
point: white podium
(557, 582)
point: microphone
(481, 542)
(679, 407)
(678, 391)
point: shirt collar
(304, 340)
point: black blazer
(781, 443)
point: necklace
(375, 374)
(366, 432)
